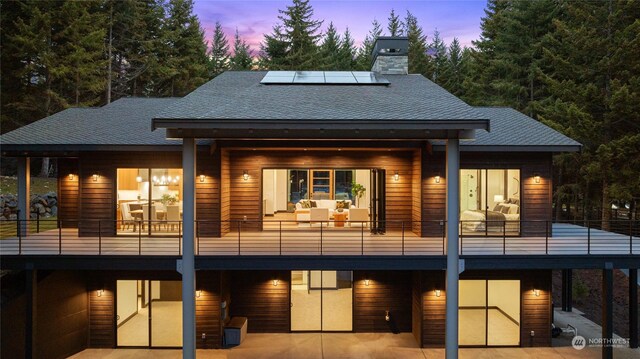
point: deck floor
(568, 239)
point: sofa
(303, 209)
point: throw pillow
(341, 204)
(314, 204)
(504, 210)
(305, 204)
(497, 208)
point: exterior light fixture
(396, 176)
(536, 292)
(198, 292)
(139, 179)
(201, 178)
(100, 292)
(275, 282)
(70, 176)
(437, 292)
(245, 175)
(366, 282)
(437, 178)
(536, 178)
(95, 177)
(387, 316)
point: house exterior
(238, 200)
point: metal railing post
(38, 222)
(59, 238)
(402, 237)
(588, 237)
(630, 236)
(321, 239)
(504, 237)
(100, 237)
(180, 235)
(140, 239)
(444, 236)
(462, 238)
(197, 238)
(19, 234)
(239, 224)
(546, 237)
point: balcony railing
(268, 237)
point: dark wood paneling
(101, 312)
(416, 192)
(536, 311)
(62, 327)
(387, 291)
(433, 308)
(246, 195)
(535, 200)
(208, 310)
(416, 306)
(266, 306)
(225, 191)
(208, 194)
(68, 192)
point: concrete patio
(347, 345)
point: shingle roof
(512, 128)
(239, 95)
(126, 121)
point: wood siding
(266, 306)
(68, 192)
(535, 312)
(102, 331)
(416, 192)
(387, 291)
(208, 310)
(225, 192)
(245, 196)
(535, 200)
(416, 306)
(208, 193)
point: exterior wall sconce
(536, 178)
(387, 316)
(437, 292)
(437, 178)
(198, 293)
(536, 292)
(245, 175)
(201, 178)
(396, 176)
(275, 282)
(70, 176)
(95, 177)
(366, 282)
(100, 292)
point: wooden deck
(567, 239)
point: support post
(31, 295)
(633, 308)
(24, 192)
(188, 255)
(567, 290)
(607, 311)
(453, 214)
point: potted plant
(357, 190)
(168, 200)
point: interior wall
(363, 177)
(269, 194)
(505, 294)
(282, 182)
(127, 301)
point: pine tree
(219, 53)
(454, 70)
(273, 50)
(330, 49)
(242, 57)
(364, 58)
(395, 25)
(419, 62)
(347, 52)
(439, 59)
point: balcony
(290, 238)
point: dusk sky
(453, 18)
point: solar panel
(323, 78)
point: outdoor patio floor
(567, 239)
(348, 345)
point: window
(343, 180)
(149, 200)
(490, 201)
(489, 313)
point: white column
(24, 191)
(453, 214)
(188, 265)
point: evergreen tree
(274, 50)
(395, 25)
(347, 52)
(219, 53)
(242, 57)
(419, 62)
(439, 59)
(364, 58)
(455, 69)
(330, 49)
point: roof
(511, 129)
(126, 121)
(239, 95)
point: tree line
(574, 66)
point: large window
(489, 313)
(490, 201)
(149, 200)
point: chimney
(390, 55)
